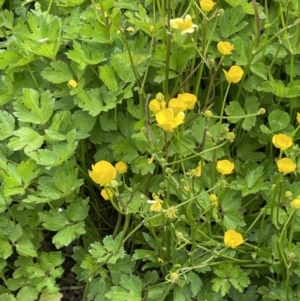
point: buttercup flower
(225, 48)
(282, 141)
(186, 25)
(168, 121)
(207, 5)
(189, 99)
(295, 203)
(233, 239)
(298, 117)
(121, 167)
(214, 200)
(234, 75)
(156, 106)
(107, 194)
(156, 204)
(73, 83)
(225, 167)
(177, 105)
(196, 172)
(103, 173)
(286, 165)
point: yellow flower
(121, 167)
(225, 167)
(156, 106)
(107, 194)
(282, 141)
(233, 239)
(156, 204)
(234, 75)
(73, 83)
(225, 48)
(168, 121)
(295, 203)
(214, 200)
(186, 25)
(286, 165)
(189, 99)
(298, 117)
(195, 171)
(103, 173)
(177, 105)
(207, 5)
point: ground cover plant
(149, 150)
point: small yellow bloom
(156, 204)
(196, 172)
(168, 121)
(295, 203)
(185, 25)
(298, 117)
(282, 141)
(151, 28)
(121, 167)
(189, 99)
(156, 106)
(234, 75)
(103, 173)
(233, 239)
(214, 200)
(107, 194)
(225, 48)
(225, 167)
(177, 105)
(286, 165)
(207, 5)
(73, 83)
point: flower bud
(261, 111)
(208, 113)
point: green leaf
(51, 297)
(7, 125)
(58, 73)
(98, 288)
(84, 122)
(246, 6)
(26, 138)
(26, 248)
(141, 166)
(59, 153)
(77, 211)
(83, 55)
(5, 247)
(230, 202)
(65, 236)
(96, 100)
(54, 220)
(251, 107)
(125, 149)
(110, 250)
(236, 111)
(130, 289)
(108, 76)
(34, 108)
(278, 120)
(195, 282)
(15, 233)
(7, 297)
(27, 293)
(108, 122)
(227, 275)
(230, 21)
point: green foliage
(192, 209)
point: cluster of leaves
(52, 131)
